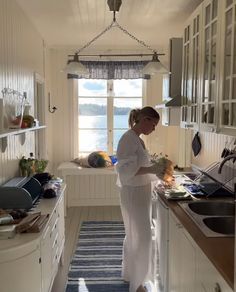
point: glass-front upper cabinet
(191, 71)
(228, 90)
(185, 76)
(211, 65)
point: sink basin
(215, 218)
(224, 225)
(215, 208)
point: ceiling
(72, 23)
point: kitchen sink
(215, 218)
(224, 225)
(212, 208)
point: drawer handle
(217, 288)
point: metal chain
(115, 23)
(133, 37)
(95, 38)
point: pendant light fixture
(154, 66)
(74, 66)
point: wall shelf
(11, 132)
(14, 132)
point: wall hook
(49, 105)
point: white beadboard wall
(21, 54)
(212, 146)
(92, 190)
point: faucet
(232, 156)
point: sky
(122, 88)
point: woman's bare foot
(141, 289)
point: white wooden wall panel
(92, 190)
(21, 54)
(212, 146)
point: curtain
(113, 70)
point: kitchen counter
(220, 251)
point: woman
(135, 174)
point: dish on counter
(176, 193)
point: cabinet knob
(217, 288)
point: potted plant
(29, 166)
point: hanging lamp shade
(155, 67)
(75, 67)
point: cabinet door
(211, 65)
(208, 278)
(162, 242)
(191, 70)
(182, 268)
(22, 274)
(46, 261)
(174, 254)
(61, 225)
(228, 90)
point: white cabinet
(208, 278)
(182, 273)
(21, 272)
(163, 243)
(211, 64)
(52, 244)
(189, 268)
(191, 71)
(209, 68)
(32, 259)
(227, 101)
(46, 259)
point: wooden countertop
(219, 250)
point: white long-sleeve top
(131, 155)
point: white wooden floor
(73, 221)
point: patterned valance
(113, 70)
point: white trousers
(137, 248)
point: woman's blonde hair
(136, 114)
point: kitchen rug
(96, 264)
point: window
(104, 107)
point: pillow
(95, 159)
(81, 161)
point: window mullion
(110, 96)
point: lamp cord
(115, 24)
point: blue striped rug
(96, 264)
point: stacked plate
(176, 193)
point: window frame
(110, 98)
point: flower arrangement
(29, 166)
(164, 167)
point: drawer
(55, 246)
(54, 230)
(54, 216)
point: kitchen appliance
(20, 193)
(171, 87)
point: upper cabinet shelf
(11, 132)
